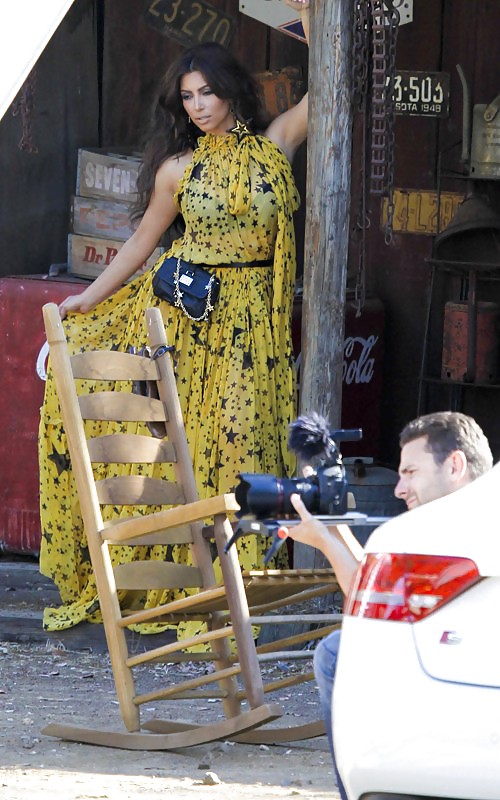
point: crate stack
(106, 188)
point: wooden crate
(88, 256)
(96, 216)
(279, 90)
(105, 174)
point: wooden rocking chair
(223, 607)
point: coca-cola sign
(359, 362)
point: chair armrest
(127, 529)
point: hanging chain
(361, 52)
(361, 91)
(384, 38)
(24, 106)
(375, 29)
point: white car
(416, 703)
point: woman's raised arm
(289, 130)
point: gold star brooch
(240, 129)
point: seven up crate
(106, 187)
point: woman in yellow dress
(235, 191)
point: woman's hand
(74, 304)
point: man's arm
(338, 544)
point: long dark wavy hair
(170, 131)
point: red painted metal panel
(21, 361)
(362, 377)
(361, 373)
(457, 340)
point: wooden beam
(327, 215)
(327, 219)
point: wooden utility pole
(327, 212)
(327, 219)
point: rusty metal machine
(481, 135)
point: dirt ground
(43, 683)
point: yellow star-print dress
(235, 373)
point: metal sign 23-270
(190, 22)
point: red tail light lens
(407, 588)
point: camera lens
(268, 496)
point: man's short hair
(447, 431)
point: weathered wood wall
(36, 187)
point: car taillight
(407, 588)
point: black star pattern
(231, 436)
(236, 332)
(265, 187)
(196, 335)
(61, 461)
(196, 171)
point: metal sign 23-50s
(422, 93)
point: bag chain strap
(178, 296)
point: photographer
(440, 453)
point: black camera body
(322, 492)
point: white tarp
(276, 14)
(25, 28)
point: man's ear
(458, 465)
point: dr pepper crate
(88, 256)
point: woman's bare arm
(160, 213)
(289, 129)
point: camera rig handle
(278, 528)
(249, 525)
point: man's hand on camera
(337, 542)
(310, 531)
